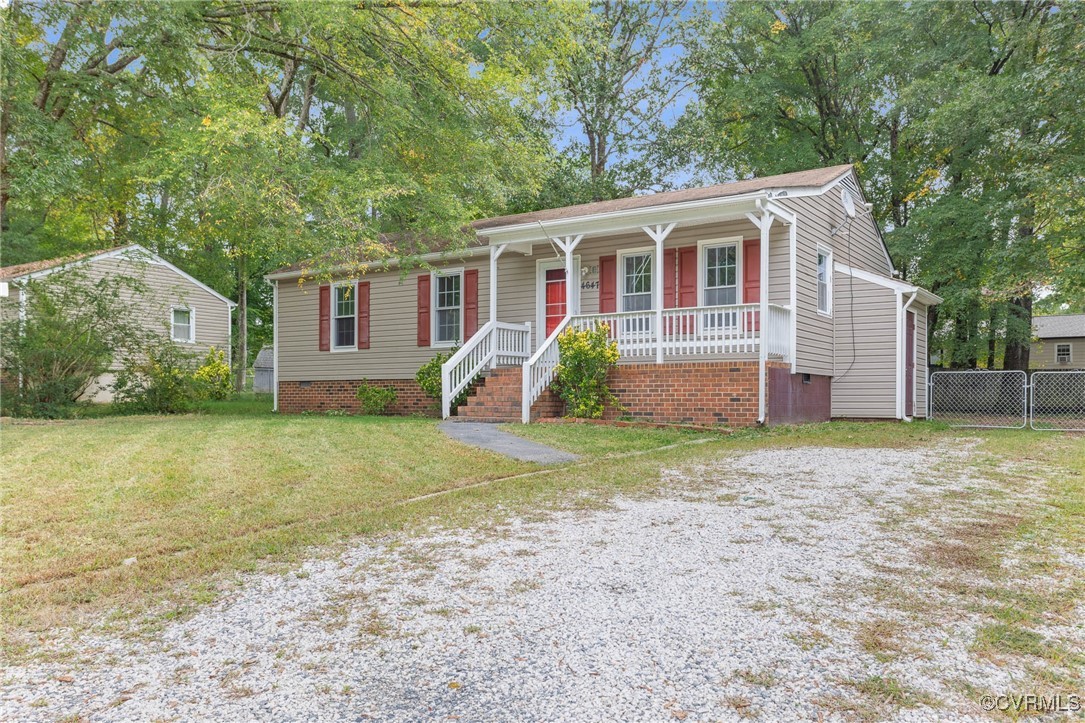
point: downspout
(902, 342)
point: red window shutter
(423, 310)
(751, 271)
(325, 333)
(608, 284)
(470, 303)
(670, 278)
(363, 314)
(687, 277)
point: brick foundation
(297, 397)
(719, 392)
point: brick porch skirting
(297, 397)
(717, 392)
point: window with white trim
(637, 281)
(344, 320)
(825, 280)
(448, 308)
(720, 274)
(1062, 354)
(182, 324)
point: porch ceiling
(521, 236)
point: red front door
(555, 298)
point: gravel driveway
(743, 588)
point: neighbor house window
(343, 319)
(182, 324)
(448, 308)
(637, 281)
(1062, 354)
(825, 281)
(720, 275)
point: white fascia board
(925, 297)
(125, 252)
(601, 224)
(808, 190)
(459, 255)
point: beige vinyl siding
(163, 289)
(865, 330)
(862, 248)
(1042, 354)
(394, 353)
(921, 371)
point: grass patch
(890, 692)
(597, 440)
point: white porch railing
(496, 343)
(687, 332)
(696, 331)
(539, 370)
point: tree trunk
(1018, 333)
(242, 324)
(992, 322)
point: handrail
(495, 341)
(539, 370)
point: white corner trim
(793, 293)
(274, 346)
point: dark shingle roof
(1061, 325)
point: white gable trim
(925, 297)
(126, 252)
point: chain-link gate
(980, 398)
(1058, 401)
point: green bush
(429, 378)
(580, 378)
(70, 331)
(159, 380)
(214, 375)
(374, 399)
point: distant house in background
(1060, 342)
(263, 371)
(173, 302)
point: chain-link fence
(1058, 401)
(980, 398)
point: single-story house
(1060, 342)
(766, 300)
(172, 302)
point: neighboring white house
(1060, 342)
(173, 302)
(765, 300)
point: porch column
(568, 244)
(763, 313)
(495, 254)
(658, 234)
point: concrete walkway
(488, 436)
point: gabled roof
(1058, 326)
(35, 269)
(814, 178)
(10, 273)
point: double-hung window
(448, 308)
(637, 281)
(1062, 354)
(720, 264)
(344, 325)
(825, 281)
(182, 325)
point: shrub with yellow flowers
(580, 379)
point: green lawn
(125, 512)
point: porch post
(659, 234)
(763, 312)
(568, 245)
(495, 254)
